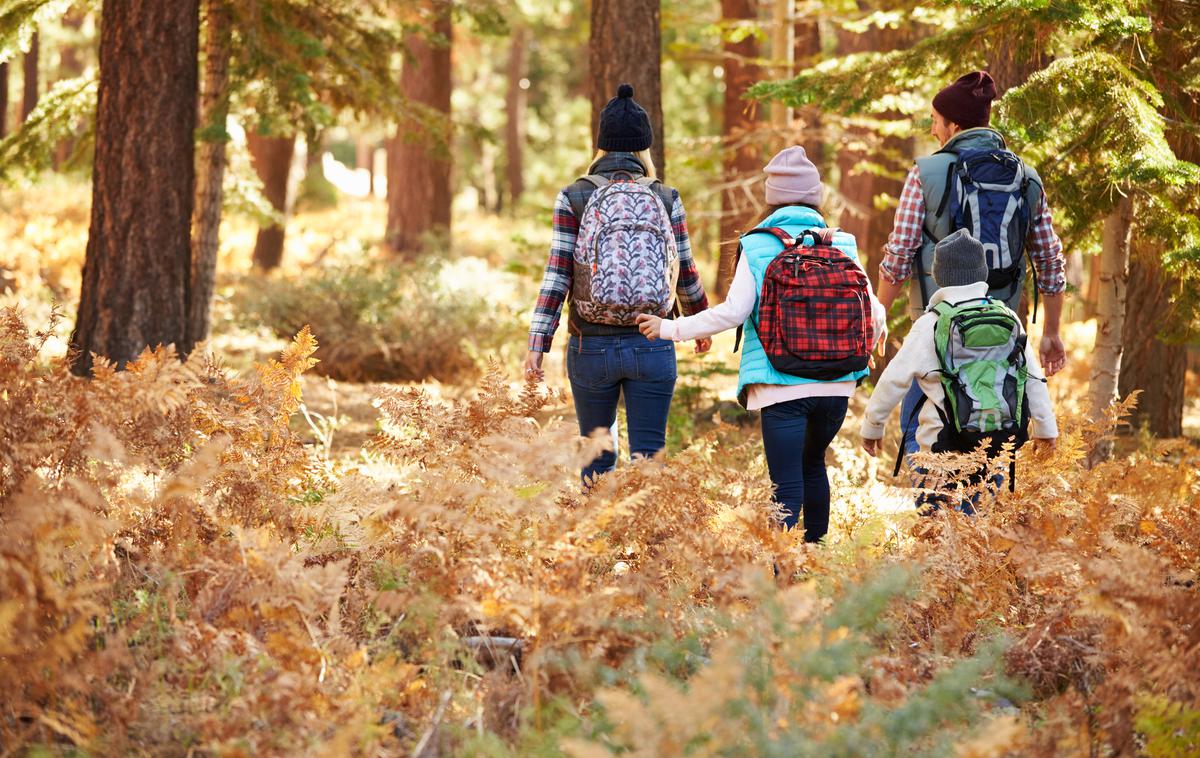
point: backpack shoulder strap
(779, 234)
(665, 193)
(821, 236)
(916, 411)
(578, 200)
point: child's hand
(650, 326)
(872, 446)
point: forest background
(375, 544)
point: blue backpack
(986, 194)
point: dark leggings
(796, 435)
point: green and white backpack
(980, 346)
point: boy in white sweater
(960, 271)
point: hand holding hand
(1052, 353)
(1045, 444)
(533, 366)
(872, 446)
(704, 344)
(650, 326)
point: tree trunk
(742, 151)
(364, 158)
(1012, 60)
(70, 66)
(1110, 308)
(514, 130)
(783, 47)
(807, 53)
(858, 186)
(625, 45)
(3, 100)
(1156, 368)
(1147, 363)
(272, 158)
(30, 95)
(418, 166)
(135, 290)
(214, 110)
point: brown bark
(860, 187)
(625, 45)
(210, 179)
(807, 54)
(3, 100)
(135, 276)
(364, 158)
(1157, 368)
(29, 97)
(1012, 60)
(742, 152)
(514, 129)
(70, 66)
(418, 166)
(272, 158)
(1147, 363)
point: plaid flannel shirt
(556, 282)
(1044, 247)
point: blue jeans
(908, 443)
(600, 369)
(796, 435)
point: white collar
(958, 294)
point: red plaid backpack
(814, 312)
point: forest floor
(444, 511)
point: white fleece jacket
(917, 359)
(734, 310)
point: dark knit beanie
(959, 259)
(967, 102)
(624, 125)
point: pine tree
(29, 97)
(515, 100)
(742, 149)
(625, 47)
(272, 158)
(3, 99)
(418, 159)
(210, 178)
(135, 279)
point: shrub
(390, 321)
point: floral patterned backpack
(626, 258)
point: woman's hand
(650, 326)
(533, 366)
(871, 446)
(704, 344)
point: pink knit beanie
(792, 178)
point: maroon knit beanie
(967, 102)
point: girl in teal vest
(800, 417)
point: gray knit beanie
(958, 259)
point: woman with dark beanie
(800, 416)
(620, 246)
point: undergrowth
(393, 321)
(178, 574)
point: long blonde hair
(642, 155)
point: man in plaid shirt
(961, 113)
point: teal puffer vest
(759, 250)
(934, 171)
